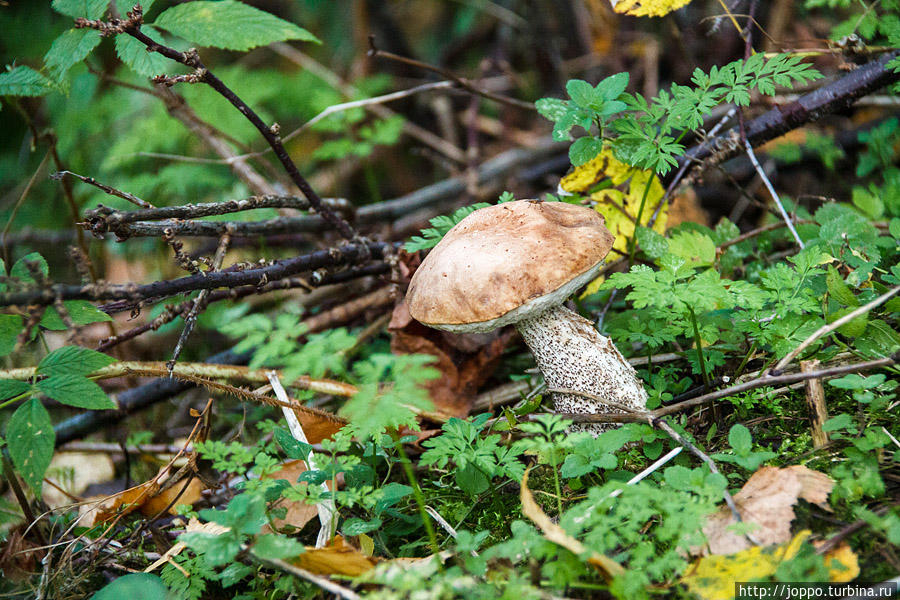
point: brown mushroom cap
(507, 262)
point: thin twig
(826, 329)
(772, 192)
(106, 188)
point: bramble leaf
(31, 440)
(228, 24)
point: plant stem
(559, 506)
(637, 221)
(697, 343)
(420, 500)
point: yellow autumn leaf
(618, 191)
(647, 8)
(713, 577)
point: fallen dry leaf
(558, 535)
(186, 491)
(767, 499)
(465, 361)
(338, 558)
(73, 472)
(298, 513)
(713, 577)
(100, 509)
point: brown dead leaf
(100, 509)
(558, 535)
(298, 513)
(186, 491)
(20, 558)
(338, 558)
(465, 361)
(767, 499)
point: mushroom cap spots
(515, 258)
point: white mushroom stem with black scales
(573, 355)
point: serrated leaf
(10, 327)
(277, 547)
(89, 9)
(24, 81)
(653, 244)
(694, 247)
(584, 150)
(134, 54)
(581, 92)
(551, 109)
(75, 390)
(855, 327)
(228, 24)
(81, 312)
(838, 289)
(71, 48)
(73, 360)
(125, 6)
(9, 388)
(31, 440)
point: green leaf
(10, 388)
(89, 9)
(75, 390)
(73, 360)
(357, 526)
(71, 48)
(134, 54)
(585, 149)
(868, 202)
(31, 440)
(294, 448)
(81, 312)
(216, 549)
(125, 6)
(581, 92)
(24, 81)
(694, 247)
(134, 586)
(739, 439)
(855, 327)
(10, 327)
(838, 289)
(551, 109)
(21, 271)
(277, 547)
(471, 480)
(228, 24)
(613, 86)
(653, 244)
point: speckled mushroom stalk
(573, 355)
(515, 264)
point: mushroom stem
(573, 355)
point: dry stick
(327, 510)
(463, 83)
(18, 204)
(772, 192)
(279, 269)
(323, 582)
(815, 403)
(106, 188)
(199, 303)
(826, 329)
(763, 381)
(191, 59)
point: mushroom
(516, 263)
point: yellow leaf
(647, 8)
(618, 191)
(713, 577)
